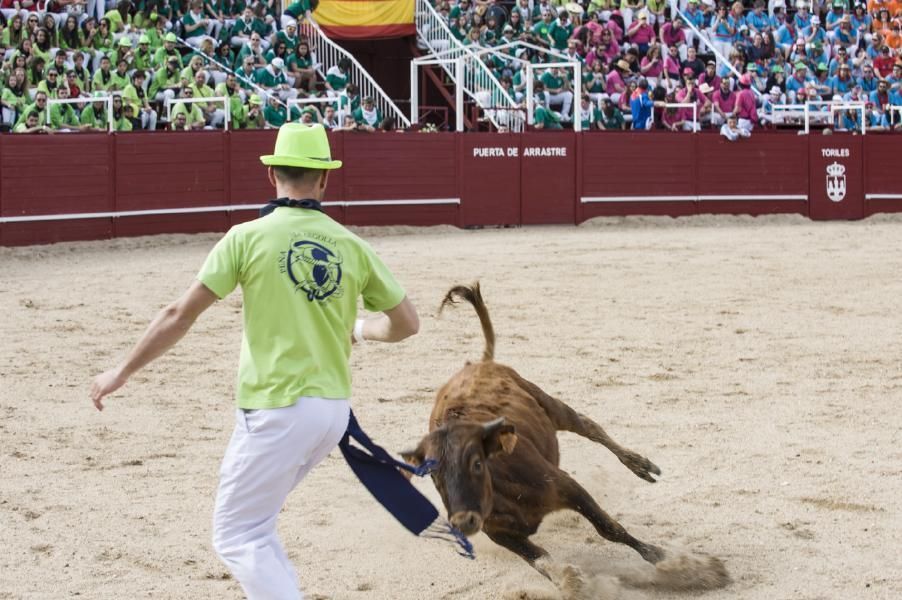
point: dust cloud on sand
(755, 361)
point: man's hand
(105, 384)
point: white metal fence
(108, 100)
(479, 83)
(327, 53)
(226, 103)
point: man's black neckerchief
(307, 203)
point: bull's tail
(472, 295)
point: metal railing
(226, 103)
(326, 52)
(478, 81)
(692, 105)
(107, 99)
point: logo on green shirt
(312, 267)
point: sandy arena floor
(755, 361)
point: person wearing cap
(773, 98)
(294, 380)
(272, 78)
(367, 115)
(254, 117)
(821, 80)
(248, 24)
(615, 84)
(135, 96)
(814, 33)
(834, 16)
(167, 81)
(797, 81)
(802, 18)
(709, 75)
(143, 55)
(640, 34)
(167, 52)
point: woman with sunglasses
(101, 40)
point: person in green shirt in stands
(135, 96)
(196, 27)
(103, 77)
(348, 102)
(276, 115)
(300, 65)
(560, 31)
(101, 40)
(39, 106)
(296, 11)
(337, 76)
(168, 51)
(94, 117)
(544, 117)
(288, 36)
(13, 100)
(166, 81)
(192, 112)
(31, 124)
(609, 117)
(124, 52)
(120, 122)
(246, 26)
(368, 116)
(120, 18)
(237, 110)
(64, 116)
(254, 118)
(71, 38)
(143, 55)
(213, 114)
(542, 29)
(120, 79)
(272, 78)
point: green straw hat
(124, 41)
(170, 37)
(255, 99)
(299, 145)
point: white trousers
(270, 452)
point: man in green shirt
(272, 78)
(95, 116)
(166, 81)
(31, 124)
(544, 117)
(560, 31)
(213, 112)
(557, 90)
(276, 115)
(245, 27)
(301, 275)
(167, 52)
(192, 111)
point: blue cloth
(641, 107)
(378, 472)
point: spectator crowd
(683, 64)
(145, 57)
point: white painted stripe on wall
(883, 196)
(208, 209)
(734, 198)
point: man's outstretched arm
(167, 328)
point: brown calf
(493, 435)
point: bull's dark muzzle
(468, 522)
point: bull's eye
(477, 466)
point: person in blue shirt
(861, 22)
(867, 81)
(814, 33)
(802, 18)
(786, 36)
(834, 16)
(841, 58)
(842, 82)
(757, 20)
(641, 106)
(797, 81)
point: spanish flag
(366, 19)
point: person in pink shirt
(641, 34)
(615, 29)
(671, 74)
(615, 86)
(604, 52)
(652, 66)
(672, 34)
(691, 94)
(709, 76)
(746, 107)
(723, 103)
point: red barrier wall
(41, 175)
(490, 179)
(547, 177)
(756, 176)
(467, 179)
(882, 174)
(646, 166)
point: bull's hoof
(641, 466)
(652, 554)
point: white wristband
(358, 332)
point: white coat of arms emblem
(836, 182)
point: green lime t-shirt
(301, 274)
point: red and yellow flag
(366, 19)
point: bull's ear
(498, 436)
(414, 457)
